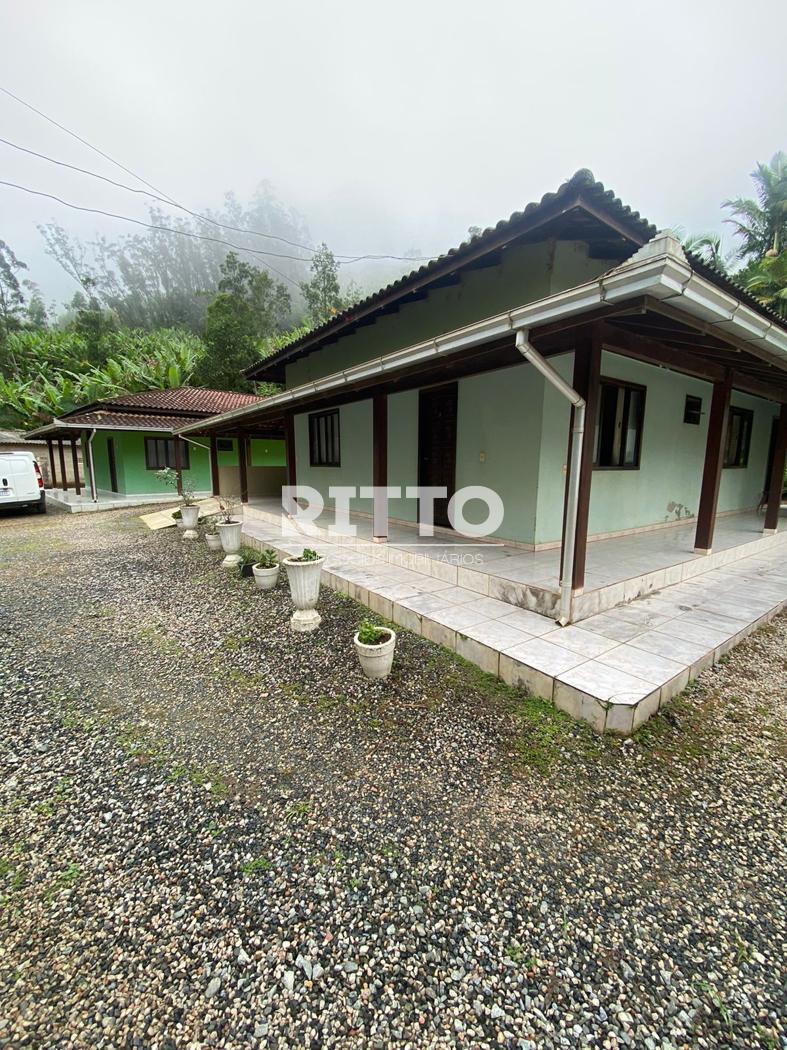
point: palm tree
(767, 280)
(708, 247)
(762, 224)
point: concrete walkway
(614, 671)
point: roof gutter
(655, 270)
(532, 355)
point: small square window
(692, 412)
(738, 441)
(324, 439)
(224, 444)
(621, 412)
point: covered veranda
(656, 309)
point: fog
(388, 127)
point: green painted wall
(265, 453)
(133, 478)
(355, 436)
(526, 273)
(498, 434)
(673, 452)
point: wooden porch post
(179, 465)
(289, 442)
(380, 465)
(75, 464)
(586, 382)
(714, 462)
(52, 471)
(244, 481)
(62, 458)
(776, 480)
(214, 466)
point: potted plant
(375, 647)
(266, 569)
(247, 559)
(229, 531)
(303, 575)
(189, 511)
(212, 537)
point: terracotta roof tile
(130, 420)
(185, 399)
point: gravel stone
(217, 834)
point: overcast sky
(388, 126)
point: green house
(601, 381)
(124, 442)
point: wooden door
(113, 471)
(437, 443)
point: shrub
(370, 634)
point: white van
(21, 483)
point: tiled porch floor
(614, 671)
(83, 503)
(618, 569)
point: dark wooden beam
(243, 452)
(289, 444)
(587, 374)
(214, 466)
(179, 464)
(75, 464)
(52, 471)
(380, 460)
(776, 480)
(714, 462)
(62, 458)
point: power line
(84, 142)
(163, 229)
(345, 258)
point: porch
(671, 612)
(618, 568)
(82, 502)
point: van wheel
(41, 508)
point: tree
(322, 291)
(761, 224)
(709, 248)
(248, 307)
(12, 298)
(158, 279)
(46, 373)
(767, 280)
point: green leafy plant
(210, 524)
(247, 556)
(308, 555)
(370, 634)
(267, 559)
(170, 477)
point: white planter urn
(377, 660)
(304, 580)
(189, 516)
(229, 534)
(266, 579)
(213, 541)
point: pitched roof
(198, 400)
(581, 202)
(130, 420)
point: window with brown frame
(160, 453)
(738, 440)
(324, 447)
(621, 411)
(692, 410)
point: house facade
(682, 374)
(124, 443)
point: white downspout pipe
(91, 470)
(569, 541)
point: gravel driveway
(214, 832)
